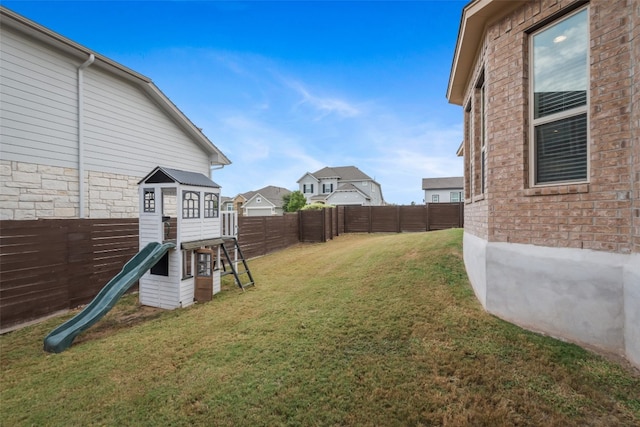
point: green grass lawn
(365, 330)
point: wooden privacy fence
(56, 264)
(260, 235)
(323, 225)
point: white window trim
(533, 123)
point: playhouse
(183, 208)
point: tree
(294, 201)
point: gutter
(81, 184)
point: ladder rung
(233, 263)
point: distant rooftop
(442, 183)
(345, 173)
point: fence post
(300, 236)
(370, 220)
(398, 218)
(426, 210)
(323, 235)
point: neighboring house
(266, 201)
(443, 190)
(240, 200)
(549, 91)
(69, 112)
(226, 204)
(343, 185)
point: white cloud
(275, 128)
(324, 105)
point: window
(483, 134)
(455, 196)
(468, 165)
(187, 257)
(307, 188)
(190, 204)
(435, 198)
(161, 268)
(210, 205)
(258, 199)
(478, 135)
(149, 200)
(204, 264)
(327, 188)
(559, 101)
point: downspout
(81, 185)
(214, 168)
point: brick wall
(597, 215)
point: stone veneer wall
(33, 191)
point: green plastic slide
(61, 337)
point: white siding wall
(38, 112)
(163, 291)
(150, 223)
(309, 180)
(190, 229)
(347, 198)
(444, 195)
(127, 133)
(375, 194)
(187, 292)
(151, 228)
(327, 183)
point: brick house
(68, 111)
(550, 92)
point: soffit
(476, 15)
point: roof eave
(32, 29)
(475, 17)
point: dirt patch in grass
(126, 314)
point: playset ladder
(233, 263)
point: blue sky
(288, 87)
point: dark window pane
(561, 150)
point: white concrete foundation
(584, 296)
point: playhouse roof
(162, 174)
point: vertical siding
(39, 103)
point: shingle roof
(162, 174)
(272, 193)
(442, 183)
(345, 173)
